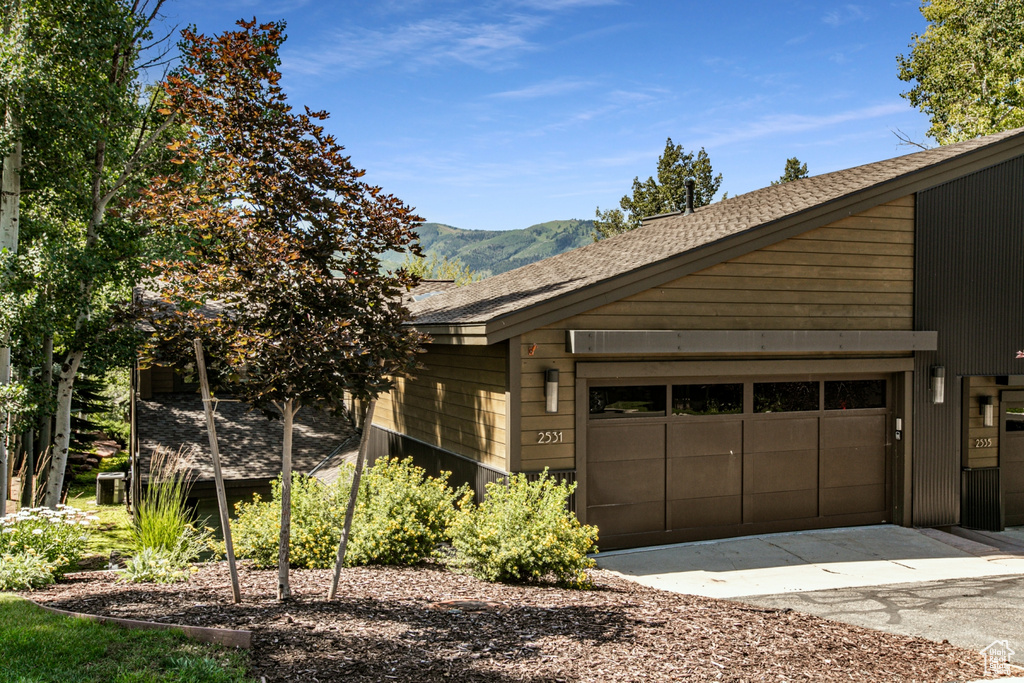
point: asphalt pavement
(972, 613)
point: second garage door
(687, 461)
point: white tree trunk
(5, 378)
(10, 196)
(62, 439)
(46, 380)
(10, 199)
(284, 589)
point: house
(167, 412)
(833, 351)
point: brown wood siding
(161, 379)
(981, 443)
(854, 274)
(456, 403)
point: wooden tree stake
(222, 498)
(284, 589)
(352, 496)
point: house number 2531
(549, 437)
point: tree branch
(906, 139)
(129, 166)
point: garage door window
(707, 399)
(1015, 419)
(628, 401)
(858, 394)
(785, 397)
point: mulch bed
(429, 624)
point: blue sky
(499, 115)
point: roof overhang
(459, 335)
(679, 265)
(583, 342)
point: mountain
(489, 252)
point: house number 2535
(983, 443)
(549, 437)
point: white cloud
(545, 89)
(797, 40)
(556, 5)
(795, 123)
(846, 14)
(264, 7)
(481, 44)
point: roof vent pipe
(689, 196)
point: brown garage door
(1011, 463)
(689, 461)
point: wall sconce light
(551, 390)
(988, 410)
(938, 384)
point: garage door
(1011, 463)
(688, 461)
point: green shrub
(401, 514)
(257, 527)
(163, 519)
(58, 536)
(25, 571)
(318, 513)
(523, 532)
(154, 565)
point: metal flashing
(584, 342)
(810, 368)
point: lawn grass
(113, 530)
(40, 647)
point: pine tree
(664, 195)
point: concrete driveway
(812, 560)
(918, 582)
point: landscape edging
(204, 634)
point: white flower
(54, 520)
(8, 530)
(37, 532)
(93, 518)
(83, 522)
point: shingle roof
(666, 237)
(249, 443)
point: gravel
(429, 624)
